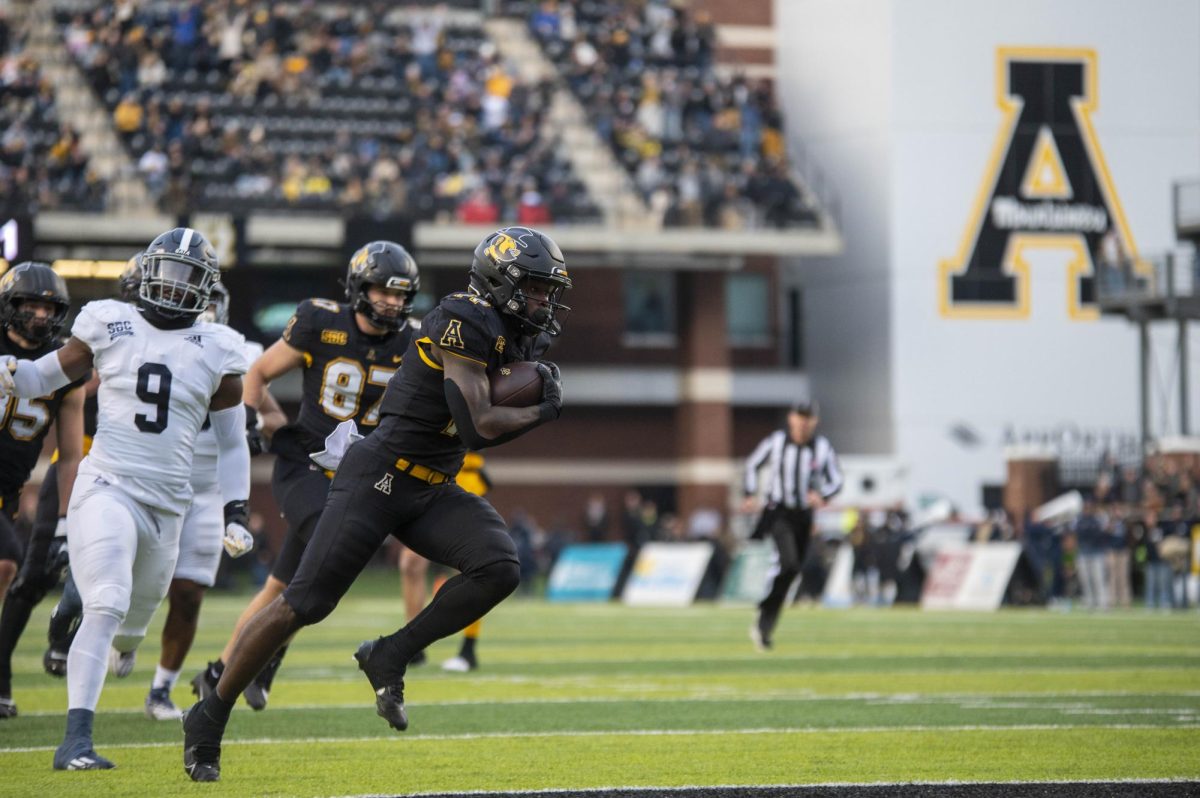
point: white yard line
(636, 733)
(966, 700)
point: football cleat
(259, 690)
(8, 708)
(389, 690)
(761, 639)
(78, 754)
(205, 682)
(201, 746)
(460, 664)
(54, 663)
(120, 663)
(159, 705)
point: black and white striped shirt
(794, 470)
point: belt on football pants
(426, 475)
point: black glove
(254, 437)
(255, 441)
(551, 405)
(237, 512)
(56, 554)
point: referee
(802, 476)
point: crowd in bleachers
(42, 165)
(354, 107)
(702, 149)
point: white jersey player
(199, 542)
(161, 375)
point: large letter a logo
(1047, 186)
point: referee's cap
(805, 407)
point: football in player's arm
(400, 482)
(346, 353)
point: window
(649, 308)
(747, 310)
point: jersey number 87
(342, 387)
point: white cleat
(159, 705)
(120, 663)
(458, 665)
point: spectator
(595, 518)
(1091, 544)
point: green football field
(594, 696)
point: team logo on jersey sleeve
(119, 329)
(453, 335)
(1046, 187)
(335, 337)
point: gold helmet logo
(503, 249)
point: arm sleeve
(41, 377)
(93, 330)
(233, 456)
(755, 462)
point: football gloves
(56, 555)
(237, 540)
(551, 389)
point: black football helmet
(33, 281)
(504, 264)
(218, 305)
(179, 269)
(385, 264)
(130, 281)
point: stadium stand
(704, 148)
(41, 163)
(324, 107)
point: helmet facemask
(536, 302)
(174, 285)
(217, 311)
(32, 327)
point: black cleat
(8, 708)
(205, 682)
(259, 690)
(201, 746)
(54, 663)
(389, 690)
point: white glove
(336, 443)
(8, 385)
(238, 540)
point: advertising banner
(586, 572)
(667, 574)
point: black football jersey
(345, 373)
(417, 422)
(25, 422)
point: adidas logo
(198, 340)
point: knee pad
(309, 609)
(126, 641)
(108, 599)
(500, 578)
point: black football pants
(371, 499)
(791, 530)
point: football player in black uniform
(348, 352)
(33, 308)
(400, 481)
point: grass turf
(586, 696)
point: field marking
(810, 786)
(963, 700)
(639, 733)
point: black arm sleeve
(466, 425)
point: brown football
(516, 384)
